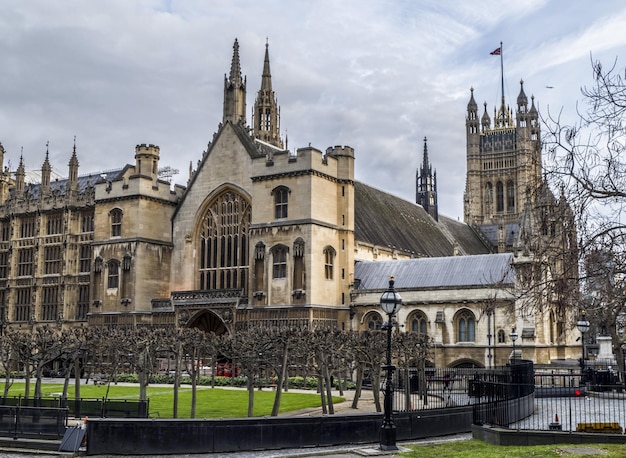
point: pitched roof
(449, 271)
(386, 220)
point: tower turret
(426, 186)
(72, 182)
(45, 175)
(20, 174)
(235, 91)
(266, 114)
(147, 161)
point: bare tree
(588, 162)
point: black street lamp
(390, 302)
(513, 336)
(583, 326)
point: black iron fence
(433, 388)
(116, 408)
(571, 401)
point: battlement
(149, 149)
(340, 151)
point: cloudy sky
(378, 75)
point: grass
(211, 402)
(475, 448)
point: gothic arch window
(465, 326)
(499, 197)
(279, 262)
(418, 323)
(510, 197)
(281, 201)
(329, 262)
(501, 336)
(115, 216)
(373, 321)
(223, 245)
(259, 266)
(298, 264)
(113, 278)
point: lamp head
(390, 301)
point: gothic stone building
(262, 234)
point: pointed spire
(72, 183)
(235, 91)
(522, 100)
(266, 114)
(235, 66)
(426, 186)
(19, 177)
(45, 173)
(472, 106)
(266, 78)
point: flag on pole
(496, 52)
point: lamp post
(390, 303)
(583, 326)
(513, 336)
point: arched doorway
(208, 321)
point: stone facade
(263, 234)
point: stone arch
(208, 321)
(372, 320)
(466, 362)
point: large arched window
(418, 323)
(116, 222)
(223, 257)
(499, 197)
(466, 326)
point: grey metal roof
(449, 271)
(83, 182)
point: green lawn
(211, 402)
(475, 448)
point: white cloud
(376, 75)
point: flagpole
(502, 72)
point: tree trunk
(320, 389)
(176, 380)
(359, 385)
(376, 388)
(250, 386)
(280, 381)
(76, 378)
(329, 392)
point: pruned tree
(412, 350)
(588, 161)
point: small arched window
(116, 222)
(329, 262)
(374, 321)
(419, 324)
(279, 255)
(499, 197)
(466, 327)
(281, 201)
(501, 336)
(114, 273)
